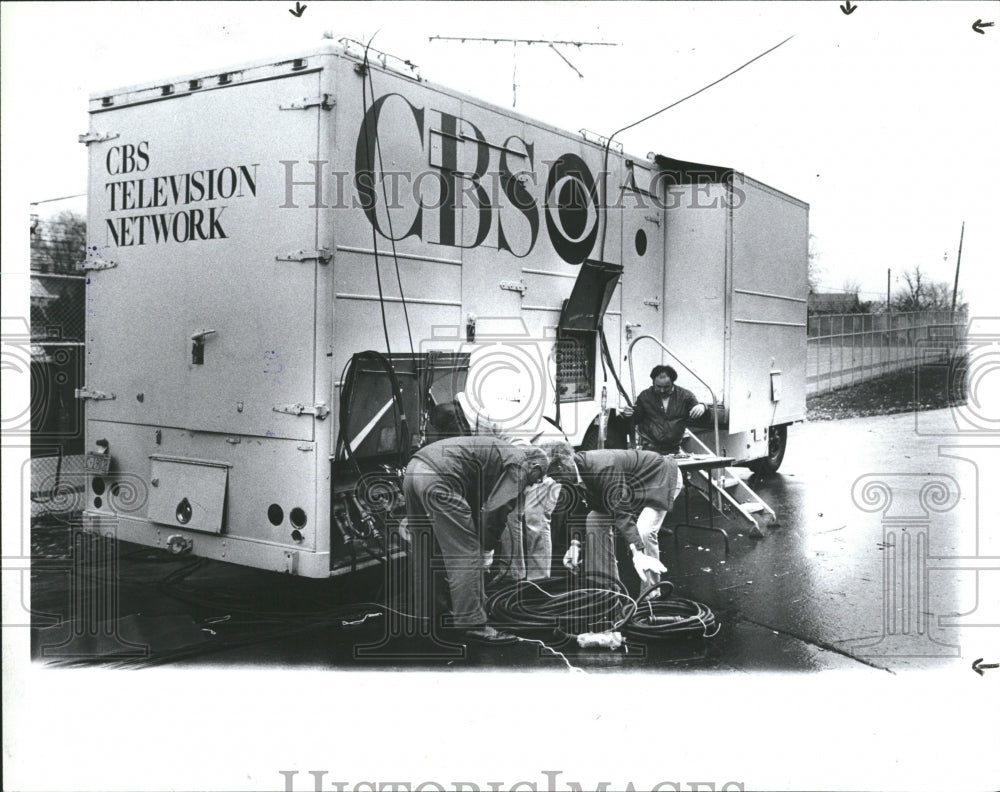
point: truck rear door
(201, 293)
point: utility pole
(958, 264)
(550, 43)
(888, 290)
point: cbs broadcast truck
(289, 263)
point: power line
(700, 90)
(61, 198)
(607, 145)
(488, 39)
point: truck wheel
(777, 439)
(616, 438)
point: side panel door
(770, 239)
(642, 280)
(199, 325)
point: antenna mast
(550, 43)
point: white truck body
(232, 276)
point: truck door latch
(322, 255)
(320, 410)
(95, 395)
(323, 102)
(96, 137)
(519, 286)
(96, 264)
(629, 327)
(198, 346)
(653, 303)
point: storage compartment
(188, 493)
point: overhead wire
(368, 158)
(604, 168)
(392, 237)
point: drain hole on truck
(275, 514)
(297, 517)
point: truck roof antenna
(551, 43)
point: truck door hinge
(653, 303)
(97, 137)
(87, 393)
(96, 264)
(519, 286)
(320, 410)
(323, 102)
(322, 255)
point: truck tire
(776, 442)
(616, 437)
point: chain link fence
(57, 370)
(844, 349)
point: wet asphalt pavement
(855, 574)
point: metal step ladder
(725, 491)
(729, 494)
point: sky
(883, 120)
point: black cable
(530, 606)
(388, 214)
(542, 605)
(607, 146)
(614, 373)
(667, 617)
(368, 158)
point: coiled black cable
(666, 617)
(527, 605)
(542, 605)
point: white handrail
(715, 403)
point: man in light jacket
(458, 493)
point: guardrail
(844, 349)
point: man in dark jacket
(459, 492)
(663, 410)
(619, 485)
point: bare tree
(920, 294)
(815, 271)
(58, 244)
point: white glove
(571, 560)
(644, 563)
(404, 530)
(487, 559)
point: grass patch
(930, 386)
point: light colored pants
(432, 507)
(599, 550)
(650, 521)
(527, 553)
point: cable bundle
(526, 605)
(668, 617)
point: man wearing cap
(458, 493)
